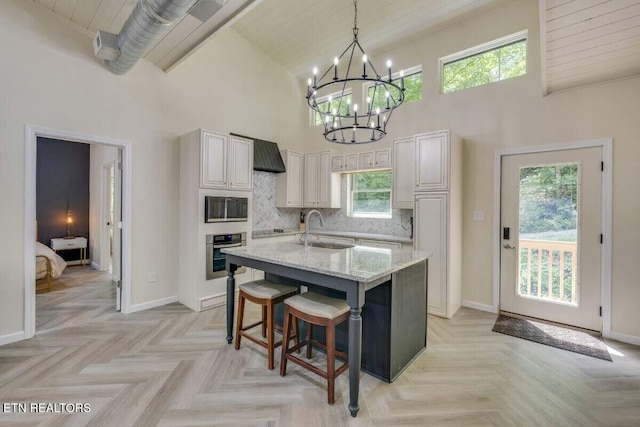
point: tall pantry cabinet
(438, 217)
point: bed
(49, 265)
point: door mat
(554, 336)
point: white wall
(50, 78)
(513, 113)
(100, 155)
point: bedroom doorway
(104, 273)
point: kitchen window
(412, 88)
(329, 103)
(370, 194)
(497, 60)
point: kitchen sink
(330, 245)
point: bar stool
(266, 294)
(321, 310)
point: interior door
(551, 225)
(117, 232)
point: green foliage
(371, 192)
(412, 91)
(548, 198)
(487, 67)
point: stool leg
(239, 319)
(331, 363)
(264, 321)
(309, 336)
(285, 345)
(270, 337)
(296, 331)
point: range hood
(266, 155)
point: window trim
(375, 215)
(479, 50)
(320, 100)
(407, 72)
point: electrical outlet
(153, 276)
(478, 215)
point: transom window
(329, 103)
(412, 88)
(497, 60)
(370, 194)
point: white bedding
(57, 263)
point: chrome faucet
(306, 221)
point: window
(412, 88)
(370, 194)
(329, 103)
(491, 62)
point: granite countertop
(362, 264)
(355, 235)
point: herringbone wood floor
(172, 367)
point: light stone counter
(320, 232)
(360, 263)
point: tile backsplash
(267, 217)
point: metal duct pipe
(149, 20)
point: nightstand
(74, 243)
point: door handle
(508, 246)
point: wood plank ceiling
(589, 41)
(183, 38)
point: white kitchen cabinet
(337, 163)
(432, 161)
(404, 173)
(225, 162)
(289, 185)
(438, 219)
(378, 159)
(351, 162)
(365, 160)
(321, 185)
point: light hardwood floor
(172, 367)
(79, 295)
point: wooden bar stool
(266, 294)
(315, 309)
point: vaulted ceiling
(582, 41)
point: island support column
(231, 294)
(355, 299)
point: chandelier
(329, 96)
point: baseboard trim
(629, 339)
(213, 301)
(8, 339)
(152, 304)
(96, 266)
(478, 306)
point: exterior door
(551, 225)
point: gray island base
(386, 286)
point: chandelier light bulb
(388, 63)
(355, 108)
(348, 101)
(387, 94)
(373, 124)
(401, 73)
(335, 61)
(315, 71)
(335, 111)
(364, 58)
(378, 110)
(309, 82)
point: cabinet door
(431, 236)
(351, 162)
(404, 175)
(365, 160)
(311, 180)
(432, 161)
(213, 160)
(324, 179)
(337, 163)
(289, 185)
(382, 158)
(240, 164)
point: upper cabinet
(432, 161)
(404, 172)
(351, 162)
(289, 184)
(321, 185)
(337, 164)
(379, 159)
(225, 162)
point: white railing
(549, 255)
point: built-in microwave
(225, 209)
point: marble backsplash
(267, 217)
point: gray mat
(554, 336)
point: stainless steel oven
(216, 260)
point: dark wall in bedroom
(62, 184)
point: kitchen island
(391, 282)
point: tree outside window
(412, 89)
(370, 194)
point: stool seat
(265, 289)
(318, 305)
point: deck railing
(548, 270)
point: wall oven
(216, 260)
(225, 209)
